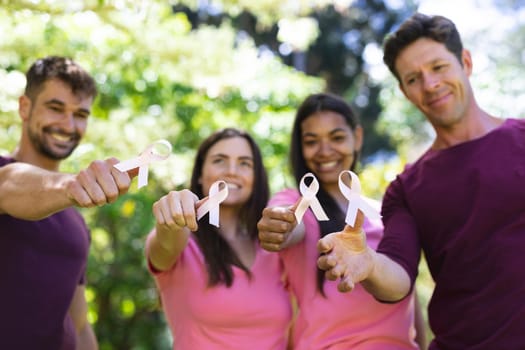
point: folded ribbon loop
(142, 161)
(309, 199)
(215, 198)
(355, 200)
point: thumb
(294, 206)
(131, 172)
(200, 202)
(358, 224)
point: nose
(68, 122)
(430, 81)
(232, 168)
(324, 148)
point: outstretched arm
(348, 258)
(32, 193)
(176, 216)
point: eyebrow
(55, 101)
(431, 63)
(336, 130)
(222, 155)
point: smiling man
(461, 203)
(44, 241)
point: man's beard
(38, 141)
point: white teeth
(233, 186)
(60, 137)
(327, 165)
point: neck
(472, 127)
(32, 157)
(229, 224)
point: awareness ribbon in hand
(142, 161)
(215, 198)
(355, 200)
(309, 199)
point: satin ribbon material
(309, 199)
(355, 200)
(215, 198)
(144, 159)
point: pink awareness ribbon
(355, 200)
(309, 199)
(144, 159)
(215, 198)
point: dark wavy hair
(219, 256)
(437, 28)
(313, 104)
(63, 69)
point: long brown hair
(312, 104)
(219, 256)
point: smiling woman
(326, 140)
(211, 278)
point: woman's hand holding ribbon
(276, 225)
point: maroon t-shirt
(41, 264)
(465, 207)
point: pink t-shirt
(343, 321)
(252, 314)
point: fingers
(335, 271)
(100, 183)
(177, 210)
(275, 226)
(325, 244)
(346, 285)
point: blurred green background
(177, 70)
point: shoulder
(513, 124)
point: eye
(246, 164)
(81, 115)
(217, 161)
(309, 142)
(410, 81)
(339, 138)
(57, 109)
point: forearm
(166, 246)
(31, 193)
(388, 281)
(86, 339)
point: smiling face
(230, 160)
(55, 121)
(432, 78)
(329, 145)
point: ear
(24, 107)
(466, 59)
(358, 136)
